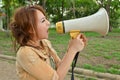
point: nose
(48, 23)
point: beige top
(34, 64)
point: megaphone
(98, 22)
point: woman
(30, 30)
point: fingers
(76, 44)
(83, 37)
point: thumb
(78, 37)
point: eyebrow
(42, 18)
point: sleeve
(35, 66)
(53, 53)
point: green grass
(106, 47)
(101, 68)
(59, 41)
(105, 51)
(6, 44)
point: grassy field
(101, 54)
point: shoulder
(24, 51)
(28, 52)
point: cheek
(39, 34)
(39, 27)
(41, 31)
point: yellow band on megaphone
(59, 27)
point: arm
(63, 65)
(75, 45)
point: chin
(45, 37)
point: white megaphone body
(98, 22)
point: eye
(43, 20)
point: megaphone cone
(98, 22)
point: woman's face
(42, 25)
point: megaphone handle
(73, 34)
(74, 64)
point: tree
(83, 8)
(59, 10)
(112, 7)
(9, 6)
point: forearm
(75, 45)
(65, 64)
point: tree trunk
(73, 8)
(44, 4)
(108, 11)
(62, 9)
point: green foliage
(63, 9)
(54, 8)
(56, 38)
(107, 48)
(101, 68)
(114, 6)
(115, 66)
(116, 55)
(116, 30)
(90, 79)
(114, 71)
(8, 7)
(98, 68)
(87, 66)
(6, 44)
(59, 10)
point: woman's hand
(78, 43)
(83, 37)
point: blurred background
(102, 54)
